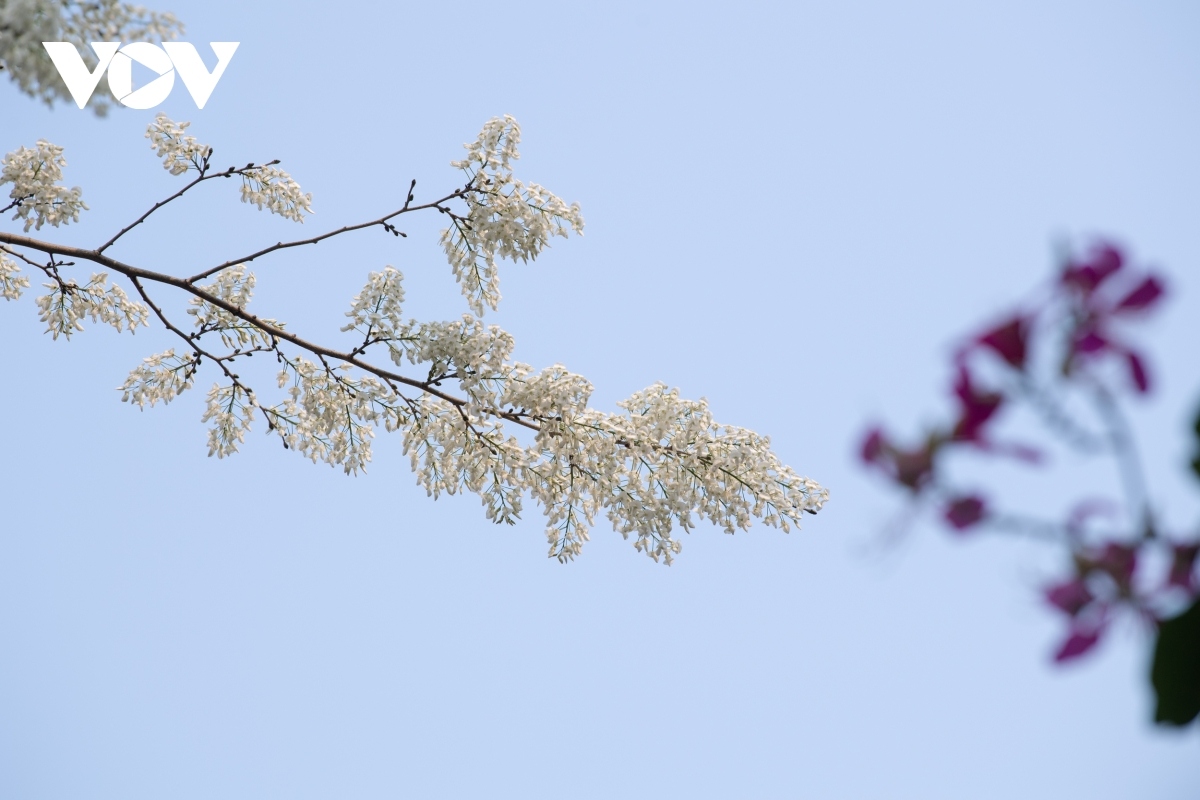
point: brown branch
(191, 342)
(25, 258)
(136, 273)
(203, 177)
(384, 221)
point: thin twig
(203, 177)
(191, 342)
(314, 240)
(1057, 419)
(1125, 450)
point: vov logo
(166, 60)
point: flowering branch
(1062, 352)
(660, 464)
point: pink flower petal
(1119, 561)
(1147, 293)
(965, 512)
(872, 446)
(1105, 260)
(1071, 597)
(1090, 341)
(1137, 371)
(1078, 643)
(1009, 341)
(1183, 566)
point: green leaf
(1196, 460)
(1175, 672)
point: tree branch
(203, 177)
(137, 273)
(384, 221)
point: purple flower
(1183, 566)
(911, 468)
(965, 512)
(1089, 341)
(872, 446)
(1146, 294)
(1080, 641)
(1137, 371)
(977, 407)
(1087, 276)
(1119, 561)
(914, 468)
(1070, 597)
(1009, 341)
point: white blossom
(475, 356)
(506, 218)
(231, 410)
(660, 466)
(272, 188)
(552, 394)
(375, 311)
(36, 195)
(330, 417)
(11, 282)
(161, 377)
(65, 307)
(179, 151)
(451, 449)
(235, 286)
(657, 466)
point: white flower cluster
(266, 186)
(274, 189)
(36, 195)
(555, 395)
(462, 350)
(68, 303)
(330, 417)
(375, 311)
(663, 463)
(25, 24)
(179, 151)
(452, 449)
(660, 464)
(505, 217)
(11, 281)
(231, 409)
(160, 377)
(235, 286)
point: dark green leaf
(1196, 460)
(1175, 673)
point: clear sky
(792, 209)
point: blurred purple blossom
(965, 512)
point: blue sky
(792, 210)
